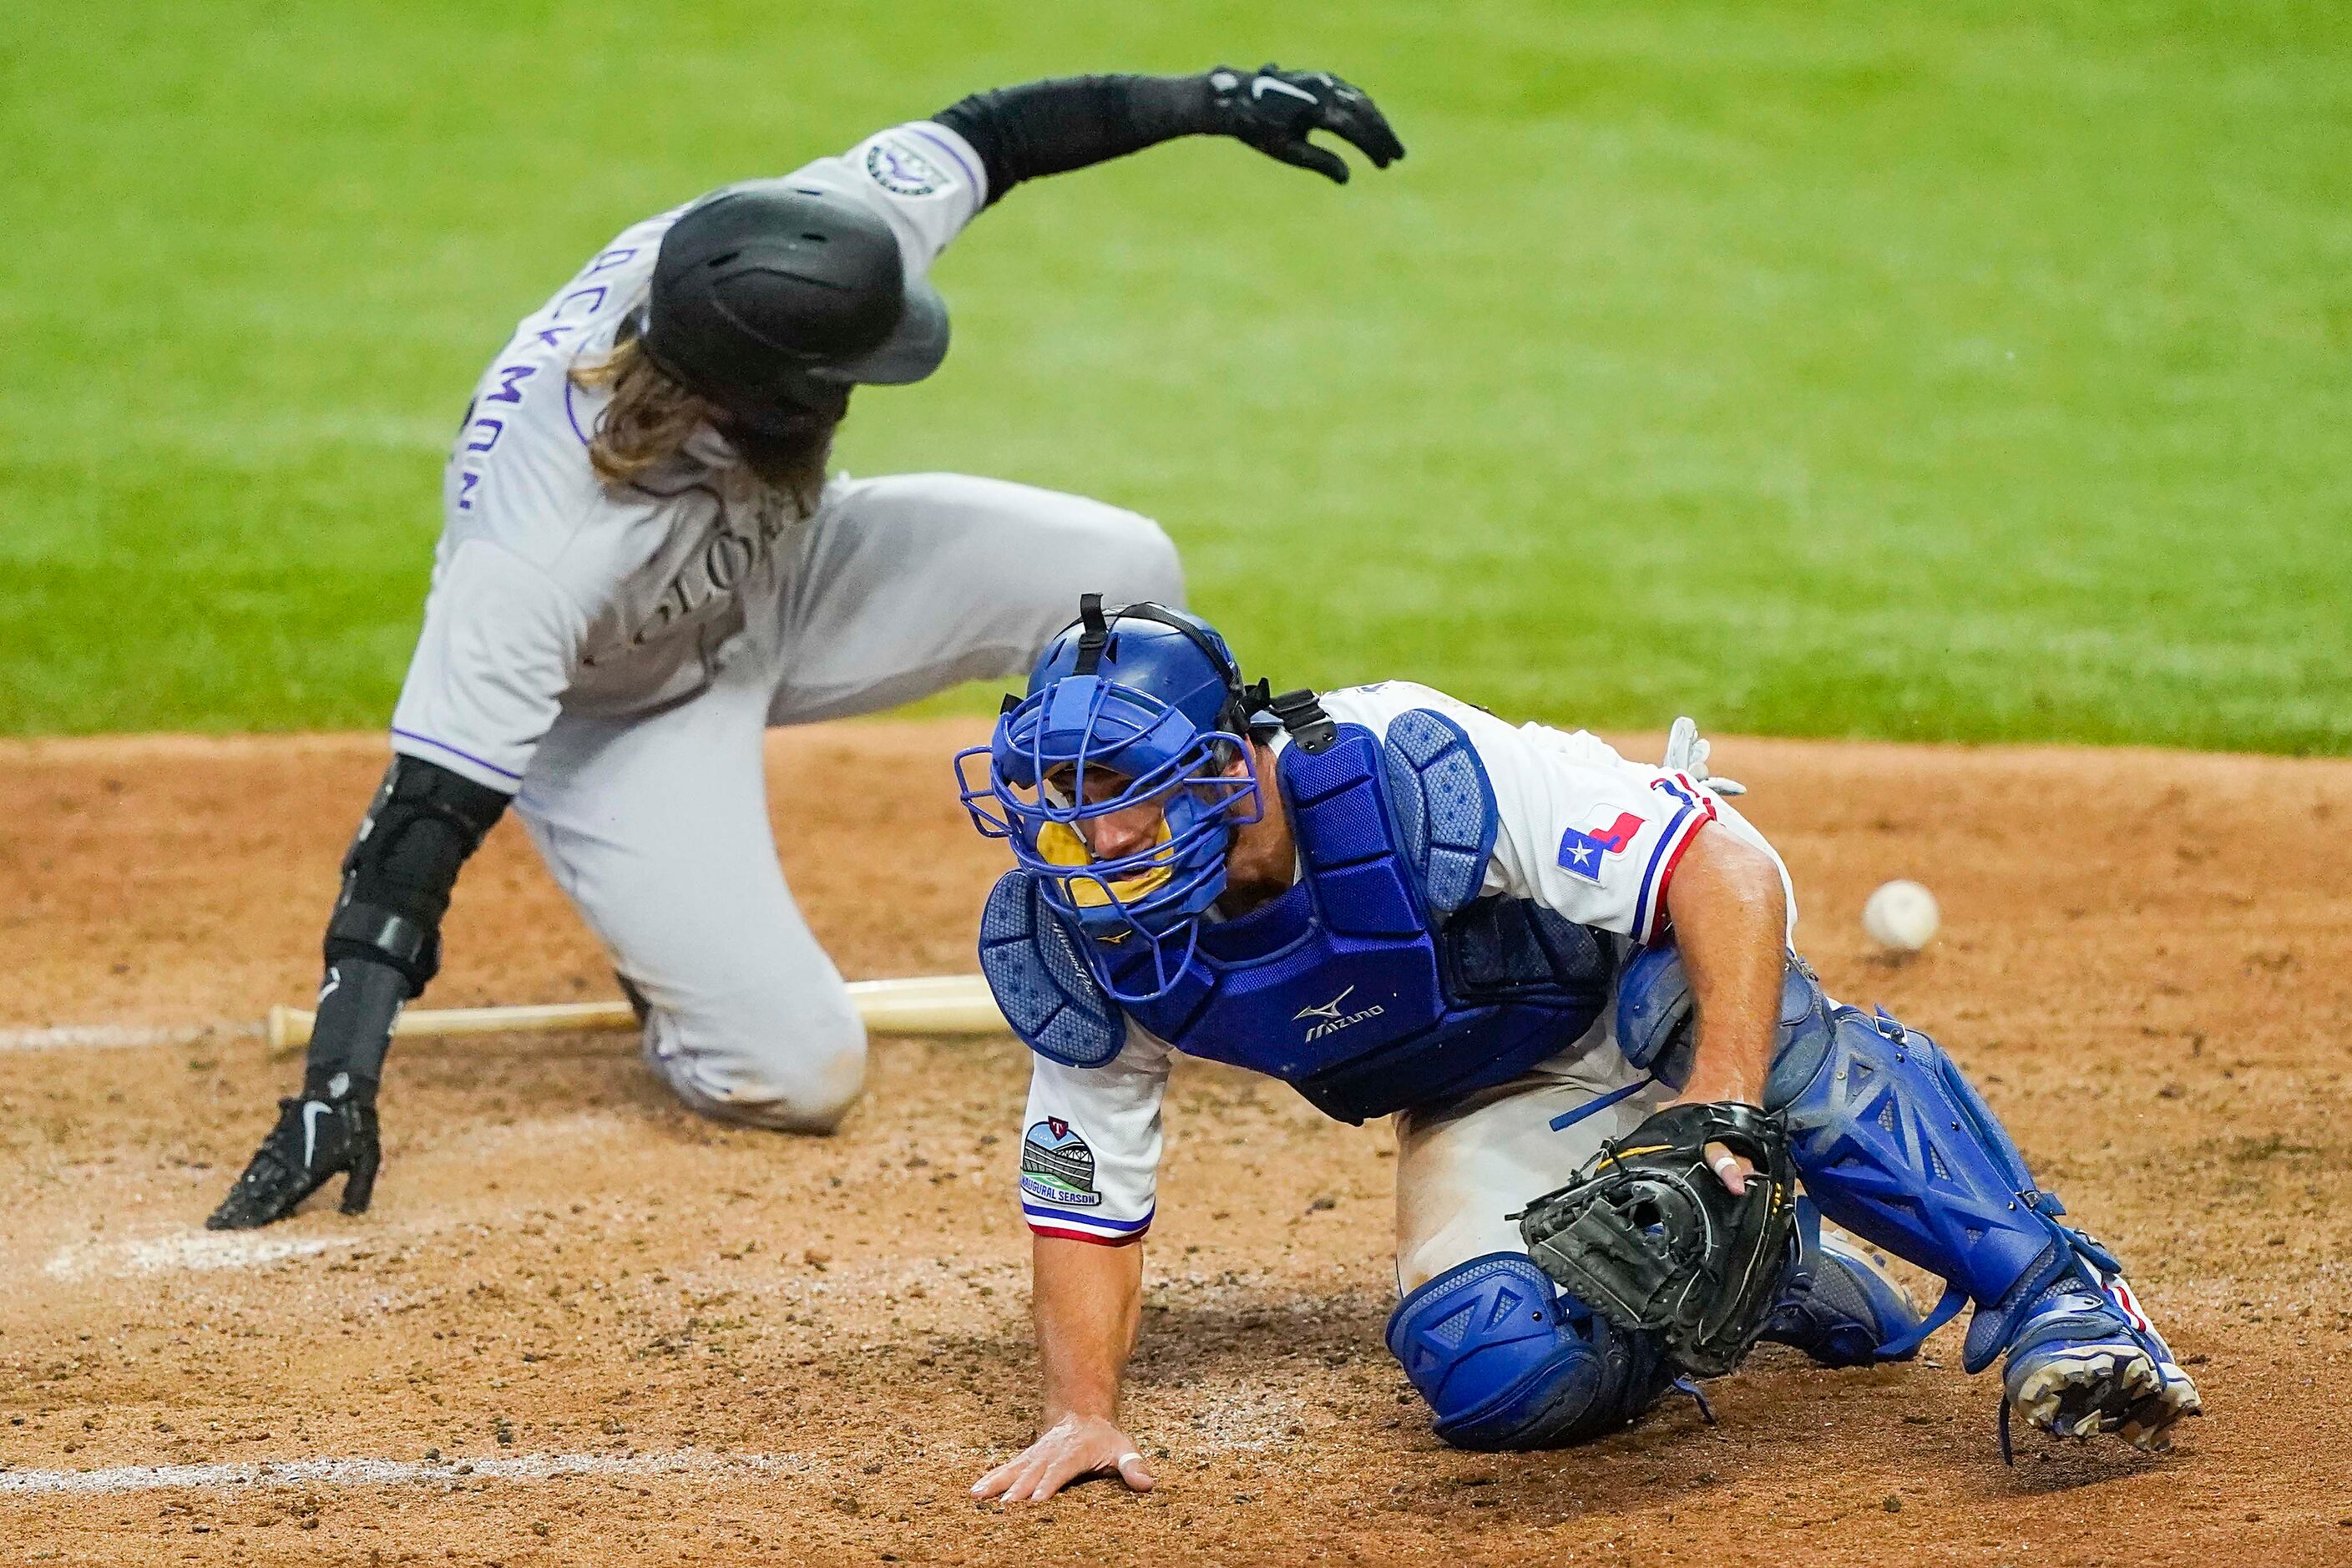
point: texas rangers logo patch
(902, 171)
(1058, 1166)
(1583, 854)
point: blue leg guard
(1839, 1305)
(1504, 1361)
(1898, 1147)
(1894, 1144)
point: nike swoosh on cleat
(310, 1114)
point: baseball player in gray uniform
(645, 565)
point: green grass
(1959, 371)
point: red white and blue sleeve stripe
(1694, 808)
(1070, 1224)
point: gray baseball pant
(656, 826)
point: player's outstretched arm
(1052, 127)
(382, 944)
(1090, 1304)
(1731, 917)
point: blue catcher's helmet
(1149, 702)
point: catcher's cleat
(2086, 1359)
(314, 1140)
(1840, 1306)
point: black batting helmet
(772, 300)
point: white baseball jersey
(1582, 831)
(551, 593)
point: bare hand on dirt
(1071, 1449)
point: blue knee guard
(1504, 1361)
(1657, 1022)
(1894, 1144)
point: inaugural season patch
(902, 171)
(1057, 1166)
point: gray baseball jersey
(612, 656)
(552, 593)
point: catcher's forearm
(1088, 1307)
(1731, 917)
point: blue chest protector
(1379, 980)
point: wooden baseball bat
(923, 1005)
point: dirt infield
(583, 1326)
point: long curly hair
(650, 418)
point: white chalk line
(88, 1036)
(378, 1472)
(197, 1251)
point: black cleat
(314, 1140)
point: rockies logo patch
(901, 171)
(1056, 1165)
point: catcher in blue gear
(1623, 1105)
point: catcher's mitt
(1648, 1237)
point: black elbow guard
(423, 823)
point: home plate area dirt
(583, 1326)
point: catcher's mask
(1148, 702)
(772, 298)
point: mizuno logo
(1329, 1010)
(312, 1112)
(1329, 1020)
(1267, 84)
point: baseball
(1901, 915)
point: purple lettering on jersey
(552, 336)
(571, 412)
(609, 260)
(564, 305)
(496, 428)
(467, 482)
(510, 380)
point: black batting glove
(1273, 110)
(330, 1129)
(315, 1141)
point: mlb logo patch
(1583, 854)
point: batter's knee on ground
(791, 1072)
(1505, 1362)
